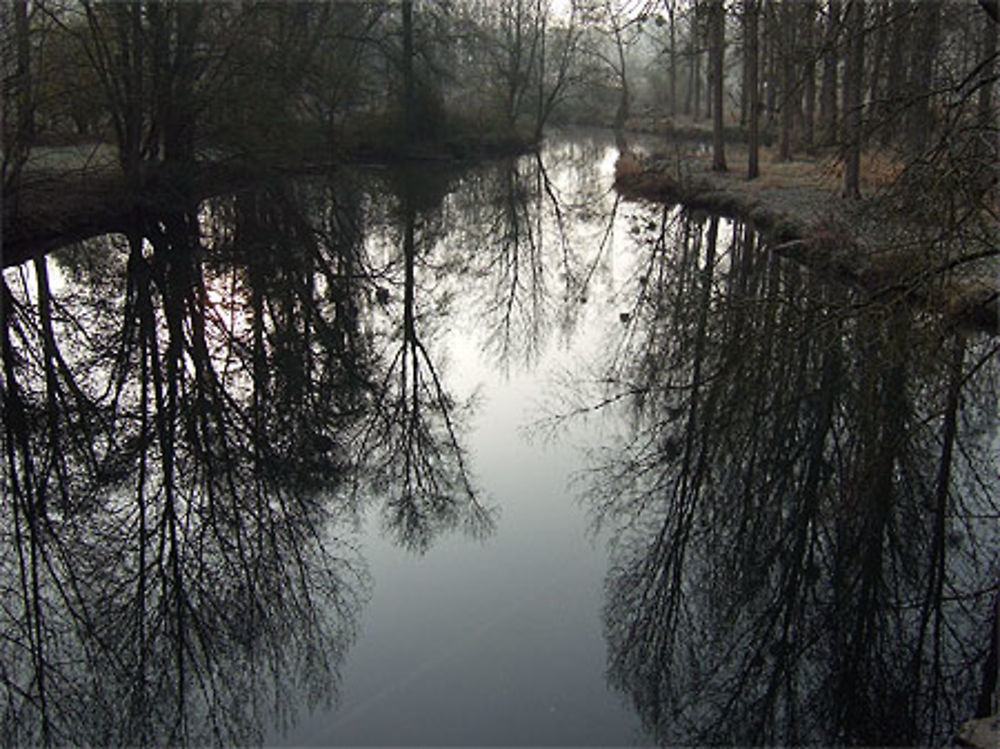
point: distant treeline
(165, 78)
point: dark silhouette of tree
(853, 88)
(799, 553)
(672, 15)
(919, 123)
(516, 50)
(751, 64)
(809, 31)
(789, 89)
(170, 552)
(19, 95)
(410, 450)
(717, 30)
(692, 101)
(409, 83)
(828, 87)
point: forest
(170, 83)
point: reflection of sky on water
(766, 441)
(497, 641)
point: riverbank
(68, 193)
(870, 243)
(56, 206)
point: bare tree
(808, 26)
(787, 50)
(717, 23)
(920, 83)
(853, 87)
(775, 501)
(828, 87)
(751, 64)
(19, 99)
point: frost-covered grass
(876, 242)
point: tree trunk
(689, 88)
(772, 32)
(179, 135)
(696, 79)
(132, 61)
(809, 73)
(786, 22)
(744, 98)
(624, 99)
(671, 10)
(15, 151)
(853, 87)
(25, 96)
(881, 23)
(718, 32)
(921, 121)
(161, 79)
(895, 78)
(710, 63)
(751, 10)
(989, 139)
(541, 19)
(828, 88)
(409, 88)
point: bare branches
(785, 505)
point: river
(485, 456)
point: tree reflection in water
(198, 415)
(804, 509)
(536, 234)
(181, 475)
(410, 448)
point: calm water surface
(499, 640)
(484, 457)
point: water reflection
(804, 505)
(410, 446)
(194, 417)
(533, 234)
(199, 416)
(165, 570)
